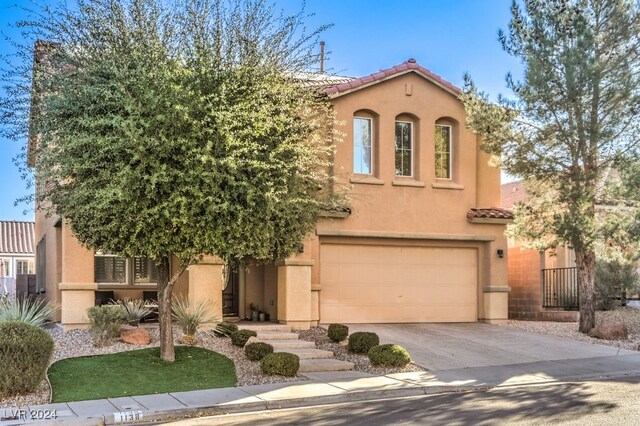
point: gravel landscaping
(569, 330)
(361, 361)
(76, 343)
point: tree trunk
(165, 289)
(586, 263)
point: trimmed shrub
(106, 322)
(25, 352)
(361, 341)
(389, 356)
(280, 363)
(257, 350)
(225, 329)
(240, 337)
(338, 332)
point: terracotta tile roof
(407, 66)
(490, 213)
(512, 193)
(17, 237)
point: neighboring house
(422, 240)
(17, 256)
(544, 285)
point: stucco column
(205, 283)
(496, 291)
(294, 293)
(78, 286)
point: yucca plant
(190, 315)
(134, 310)
(27, 309)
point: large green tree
(576, 115)
(180, 128)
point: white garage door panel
(366, 283)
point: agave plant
(29, 310)
(134, 310)
(190, 315)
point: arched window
(444, 149)
(363, 142)
(405, 149)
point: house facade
(421, 241)
(17, 256)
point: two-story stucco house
(422, 240)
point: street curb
(354, 396)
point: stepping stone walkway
(283, 340)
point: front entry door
(230, 295)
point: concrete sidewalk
(323, 388)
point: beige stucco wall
(44, 228)
(416, 210)
(429, 207)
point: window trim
(412, 149)
(371, 160)
(450, 178)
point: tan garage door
(376, 283)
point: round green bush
(361, 341)
(389, 356)
(240, 337)
(338, 332)
(281, 363)
(257, 350)
(25, 352)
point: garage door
(376, 283)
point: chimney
(322, 57)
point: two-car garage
(387, 283)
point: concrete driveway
(444, 346)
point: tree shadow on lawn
(139, 372)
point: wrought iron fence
(560, 288)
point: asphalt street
(615, 401)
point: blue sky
(448, 37)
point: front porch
(282, 291)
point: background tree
(576, 114)
(179, 129)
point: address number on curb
(127, 416)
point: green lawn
(139, 372)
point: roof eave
(398, 74)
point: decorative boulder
(613, 331)
(252, 339)
(136, 336)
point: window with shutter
(110, 269)
(145, 271)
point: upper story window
(362, 146)
(404, 148)
(24, 266)
(443, 152)
(110, 269)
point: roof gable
(409, 66)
